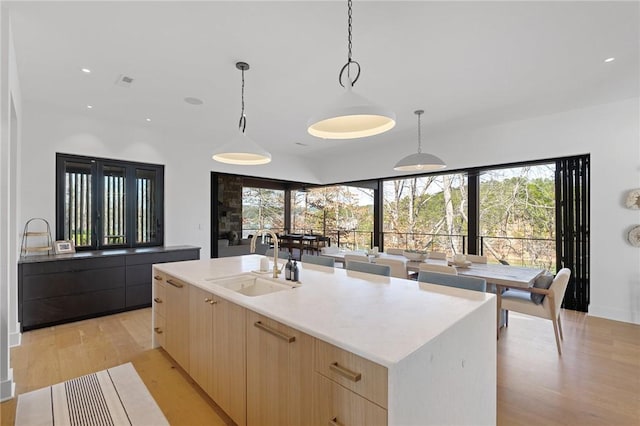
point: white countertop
(379, 318)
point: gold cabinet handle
(334, 422)
(175, 284)
(157, 278)
(158, 330)
(278, 334)
(345, 372)
(157, 300)
(210, 301)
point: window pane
(517, 215)
(262, 209)
(343, 213)
(427, 213)
(114, 205)
(146, 206)
(77, 203)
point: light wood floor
(595, 382)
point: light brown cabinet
(279, 373)
(218, 351)
(176, 306)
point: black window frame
(97, 165)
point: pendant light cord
(419, 113)
(242, 124)
(350, 61)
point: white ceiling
(464, 63)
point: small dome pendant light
(351, 115)
(419, 161)
(241, 150)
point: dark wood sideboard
(70, 287)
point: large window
(342, 212)
(262, 208)
(517, 215)
(105, 203)
(426, 213)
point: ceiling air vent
(124, 80)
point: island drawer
(159, 326)
(159, 300)
(362, 376)
(336, 405)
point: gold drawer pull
(157, 300)
(210, 301)
(157, 330)
(175, 284)
(351, 375)
(157, 278)
(334, 422)
(278, 334)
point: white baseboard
(7, 387)
(615, 314)
(15, 338)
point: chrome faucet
(252, 249)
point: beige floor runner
(116, 396)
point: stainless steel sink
(250, 284)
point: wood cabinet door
(177, 321)
(200, 337)
(279, 373)
(228, 356)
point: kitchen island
(370, 349)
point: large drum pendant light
(351, 115)
(241, 150)
(419, 161)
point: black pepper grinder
(288, 269)
(295, 275)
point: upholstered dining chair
(521, 301)
(467, 283)
(474, 258)
(443, 269)
(318, 260)
(354, 258)
(395, 251)
(369, 268)
(398, 267)
(437, 255)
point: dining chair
(443, 269)
(437, 255)
(395, 251)
(354, 257)
(369, 268)
(459, 281)
(474, 258)
(318, 260)
(329, 250)
(398, 267)
(520, 301)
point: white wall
(10, 116)
(610, 133)
(188, 164)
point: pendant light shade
(241, 150)
(420, 161)
(351, 115)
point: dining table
(501, 276)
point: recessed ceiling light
(609, 60)
(193, 101)
(86, 70)
(148, 119)
(89, 106)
